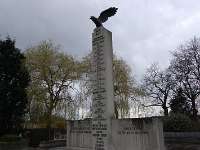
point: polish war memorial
(103, 131)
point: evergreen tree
(179, 103)
(14, 79)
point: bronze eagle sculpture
(104, 15)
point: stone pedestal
(102, 77)
(127, 134)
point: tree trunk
(116, 111)
(49, 122)
(194, 110)
(49, 114)
(165, 111)
(164, 105)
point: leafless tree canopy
(158, 85)
(186, 68)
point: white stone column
(102, 76)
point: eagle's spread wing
(107, 13)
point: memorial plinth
(102, 98)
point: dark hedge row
(180, 123)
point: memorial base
(78, 148)
(127, 134)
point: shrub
(178, 123)
(10, 138)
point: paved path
(183, 147)
(58, 148)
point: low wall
(182, 134)
(79, 134)
(35, 136)
(127, 134)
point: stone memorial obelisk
(103, 106)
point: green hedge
(180, 123)
(10, 138)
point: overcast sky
(144, 31)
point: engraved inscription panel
(100, 122)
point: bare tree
(158, 86)
(186, 68)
